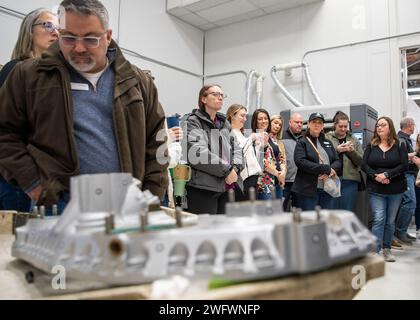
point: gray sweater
(93, 124)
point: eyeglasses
(381, 125)
(218, 95)
(47, 25)
(88, 42)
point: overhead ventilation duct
(287, 69)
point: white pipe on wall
(260, 81)
(287, 67)
(248, 88)
(259, 89)
(309, 81)
(283, 90)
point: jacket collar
(295, 137)
(205, 116)
(402, 134)
(333, 135)
(125, 76)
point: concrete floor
(402, 278)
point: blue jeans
(348, 195)
(263, 196)
(165, 201)
(417, 208)
(321, 198)
(408, 207)
(384, 210)
(279, 192)
(13, 198)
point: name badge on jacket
(79, 86)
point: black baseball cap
(316, 115)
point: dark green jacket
(36, 125)
(351, 160)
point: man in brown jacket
(80, 109)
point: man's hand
(232, 177)
(35, 193)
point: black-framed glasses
(88, 42)
(382, 125)
(47, 25)
(218, 95)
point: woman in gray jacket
(213, 154)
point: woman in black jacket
(316, 160)
(385, 161)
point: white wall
(144, 27)
(366, 73)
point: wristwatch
(386, 174)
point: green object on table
(217, 283)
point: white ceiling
(210, 14)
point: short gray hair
(406, 122)
(23, 47)
(87, 8)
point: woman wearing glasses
(236, 115)
(214, 157)
(37, 31)
(385, 161)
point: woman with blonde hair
(236, 115)
(385, 161)
(276, 122)
(39, 29)
(37, 32)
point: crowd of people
(70, 103)
(299, 165)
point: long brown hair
(254, 121)
(234, 109)
(203, 93)
(392, 136)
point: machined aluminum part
(254, 240)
